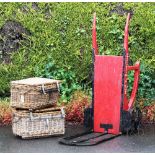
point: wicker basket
(39, 123)
(34, 93)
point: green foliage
(69, 81)
(6, 75)
(62, 31)
(146, 87)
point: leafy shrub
(75, 108)
(5, 112)
(146, 87)
(149, 113)
(6, 75)
(63, 32)
(69, 81)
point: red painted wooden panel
(107, 92)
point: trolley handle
(136, 69)
(94, 38)
(126, 34)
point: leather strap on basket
(62, 112)
(58, 86)
(43, 88)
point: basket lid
(35, 81)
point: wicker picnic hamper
(34, 93)
(38, 123)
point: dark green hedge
(62, 32)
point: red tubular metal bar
(136, 70)
(125, 107)
(128, 104)
(136, 67)
(94, 38)
(126, 34)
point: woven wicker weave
(40, 123)
(33, 93)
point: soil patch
(11, 33)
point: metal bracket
(106, 127)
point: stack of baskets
(34, 109)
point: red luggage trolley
(110, 114)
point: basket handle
(45, 91)
(62, 115)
